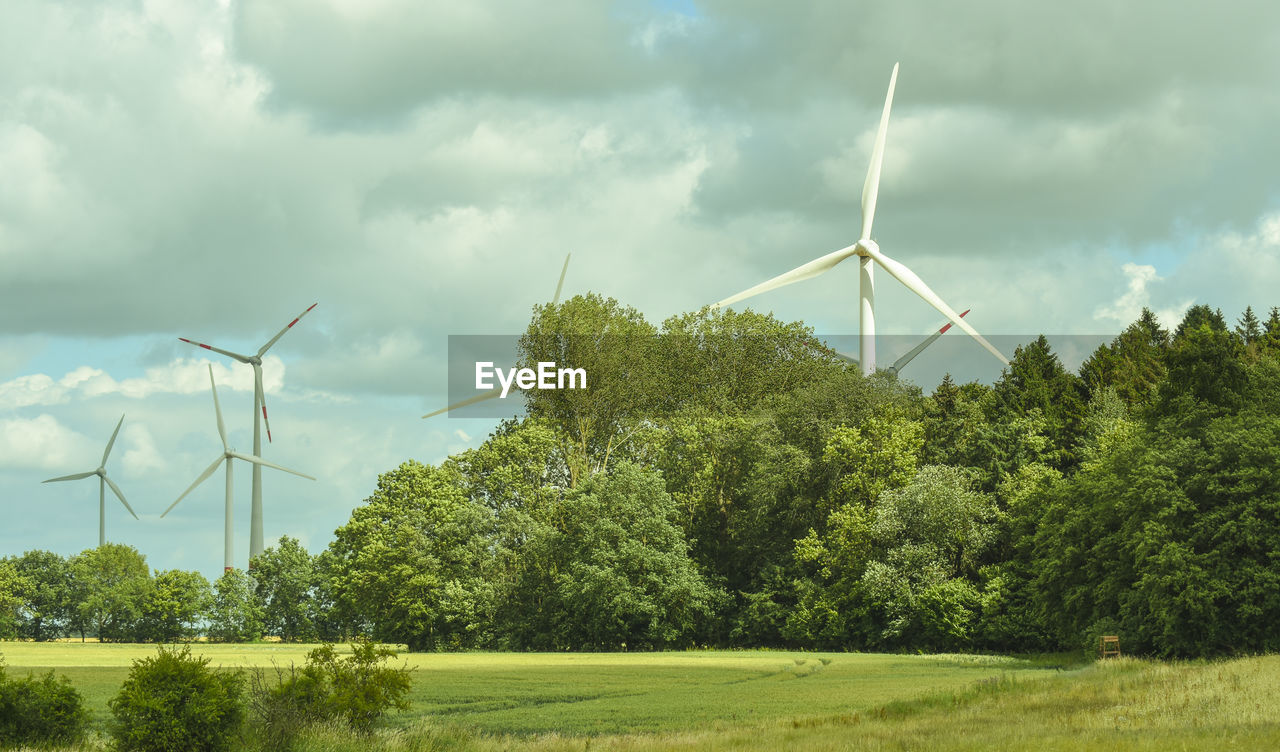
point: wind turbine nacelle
(866, 247)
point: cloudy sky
(209, 169)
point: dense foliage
(727, 481)
(173, 700)
(38, 712)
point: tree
(1036, 380)
(622, 577)
(236, 615)
(46, 601)
(929, 536)
(1198, 316)
(1248, 328)
(12, 585)
(867, 461)
(724, 361)
(411, 565)
(617, 349)
(176, 604)
(112, 583)
(284, 576)
(1270, 340)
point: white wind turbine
(494, 393)
(227, 455)
(259, 406)
(103, 481)
(868, 252)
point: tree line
(111, 594)
(727, 481)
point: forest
(727, 481)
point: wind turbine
(103, 482)
(494, 393)
(227, 455)
(900, 363)
(259, 404)
(867, 252)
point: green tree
(724, 361)
(284, 577)
(617, 349)
(12, 586)
(113, 582)
(412, 564)
(1248, 328)
(177, 602)
(1133, 364)
(622, 577)
(46, 601)
(236, 615)
(930, 535)
(867, 461)
(1198, 316)
(1036, 380)
(1270, 341)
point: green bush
(355, 691)
(40, 711)
(173, 701)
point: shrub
(40, 711)
(355, 691)
(174, 701)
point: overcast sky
(209, 169)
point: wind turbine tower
(228, 454)
(103, 482)
(259, 406)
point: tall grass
(1122, 705)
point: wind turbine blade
(287, 327)
(264, 463)
(77, 476)
(203, 477)
(120, 494)
(559, 285)
(493, 394)
(262, 397)
(799, 274)
(228, 353)
(905, 359)
(871, 187)
(112, 442)
(222, 429)
(917, 285)
(845, 358)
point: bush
(40, 711)
(174, 701)
(355, 691)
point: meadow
(768, 700)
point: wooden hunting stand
(1109, 645)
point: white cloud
(142, 456)
(1128, 307)
(44, 443)
(180, 376)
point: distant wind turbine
(103, 481)
(868, 251)
(494, 393)
(900, 363)
(259, 405)
(227, 455)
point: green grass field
(768, 700)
